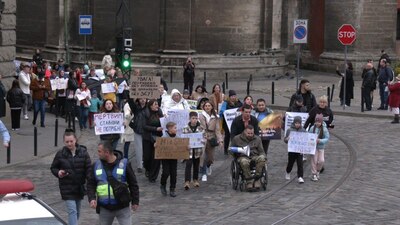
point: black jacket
(78, 167)
(16, 98)
(138, 116)
(237, 126)
(326, 113)
(130, 178)
(3, 94)
(308, 100)
(149, 129)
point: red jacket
(394, 97)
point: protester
(71, 165)
(305, 91)
(109, 169)
(201, 102)
(61, 95)
(4, 134)
(37, 58)
(346, 92)
(151, 130)
(40, 92)
(260, 112)
(199, 92)
(210, 123)
(248, 100)
(297, 105)
(3, 95)
(217, 97)
(16, 99)
(127, 137)
(294, 156)
(186, 94)
(188, 74)
(194, 154)
(25, 81)
(321, 108)
(394, 98)
(162, 81)
(107, 60)
(95, 105)
(175, 102)
(83, 97)
(111, 95)
(71, 106)
(241, 121)
(317, 160)
(231, 103)
(110, 107)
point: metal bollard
(362, 99)
(223, 87)
(73, 121)
(68, 117)
(170, 75)
(56, 133)
(248, 87)
(203, 83)
(226, 80)
(205, 79)
(9, 153)
(273, 93)
(34, 141)
(328, 93)
(333, 89)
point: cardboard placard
(109, 123)
(145, 87)
(171, 148)
(302, 142)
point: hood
(175, 91)
(118, 154)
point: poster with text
(271, 126)
(107, 88)
(229, 116)
(196, 140)
(59, 83)
(145, 87)
(302, 142)
(109, 123)
(291, 115)
(192, 104)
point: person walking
(318, 159)
(16, 99)
(394, 98)
(217, 97)
(40, 92)
(346, 92)
(109, 169)
(25, 81)
(127, 137)
(321, 108)
(188, 74)
(83, 96)
(230, 103)
(305, 91)
(110, 107)
(71, 165)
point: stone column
(7, 39)
(276, 23)
(55, 27)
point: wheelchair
(238, 179)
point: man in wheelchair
(257, 155)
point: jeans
(126, 149)
(188, 169)
(83, 116)
(39, 106)
(106, 216)
(73, 209)
(383, 94)
(27, 104)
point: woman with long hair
(346, 92)
(110, 107)
(83, 96)
(217, 97)
(16, 99)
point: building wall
(7, 41)
(31, 22)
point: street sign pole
(300, 31)
(84, 40)
(298, 67)
(344, 77)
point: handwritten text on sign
(59, 83)
(109, 123)
(302, 142)
(145, 87)
(172, 148)
(196, 140)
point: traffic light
(126, 61)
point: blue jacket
(325, 136)
(4, 133)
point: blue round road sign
(300, 32)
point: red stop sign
(347, 34)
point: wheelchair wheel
(264, 178)
(234, 175)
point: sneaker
(318, 175)
(304, 158)
(287, 176)
(300, 180)
(313, 178)
(187, 185)
(209, 170)
(172, 193)
(26, 117)
(204, 178)
(196, 183)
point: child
(169, 166)
(294, 156)
(317, 161)
(195, 153)
(95, 104)
(186, 94)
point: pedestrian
(346, 92)
(71, 165)
(107, 60)
(394, 98)
(297, 105)
(110, 107)
(16, 99)
(186, 94)
(112, 94)
(127, 137)
(109, 170)
(240, 122)
(3, 95)
(169, 166)
(318, 159)
(151, 130)
(210, 124)
(385, 56)
(61, 95)
(175, 102)
(40, 92)
(217, 97)
(260, 112)
(25, 81)
(294, 156)
(83, 102)
(368, 85)
(305, 91)
(385, 75)
(95, 105)
(248, 100)
(231, 102)
(194, 154)
(321, 108)
(188, 74)
(199, 92)
(5, 134)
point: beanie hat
(298, 98)
(231, 93)
(319, 118)
(186, 91)
(297, 119)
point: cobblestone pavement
(359, 186)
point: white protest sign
(289, 116)
(107, 88)
(192, 104)
(81, 95)
(59, 83)
(302, 142)
(121, 87)
(178, 116)
(195, 139)
(109, 123)
(145, 87)
(229, 116)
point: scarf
(208, 117)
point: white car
(18, 207)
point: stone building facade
(7, 40)
(216, 32)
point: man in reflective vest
(106, 205)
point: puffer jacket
(78, 167)
(16, 98)
(325, 136)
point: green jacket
(255, 144)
